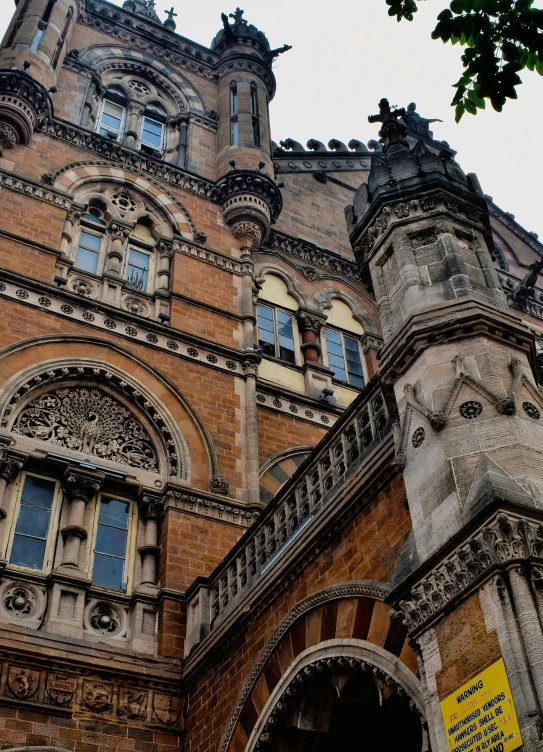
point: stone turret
(470, 433)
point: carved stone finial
(392, 130)
(169, 23)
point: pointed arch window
(91, 241)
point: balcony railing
(298, 504)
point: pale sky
(348, 54)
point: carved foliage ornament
(88, 421)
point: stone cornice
(215, 258)
(117, 155)
(295, 405)
(28, 187)
(314, 256)
(100, 316)
(210, 507)
(511, 224)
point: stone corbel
(80, 487)
(11, 464)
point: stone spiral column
(11, 464)
(79, 489)
(118, 233)
(151, 508)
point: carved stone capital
(120, 231)
(11, 464)
(371, 342)
(309, 321)
(151, 506)
(80, 485)
(248, 234)
(165, 248)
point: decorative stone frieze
(309, 253)
(102, 317)
(207, 507)
(24, 185)
(504, 539)
(302, 410)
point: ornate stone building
(271, 468)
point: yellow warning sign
(481, 716)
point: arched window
(153, 129)
(138, 259)
(91, 241)
(234, 111)
(112, 116)
(341, 346)
(276, 325)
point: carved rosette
(105, 619)
(248, 234)
(22, 603)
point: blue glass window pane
(114, 512)
(332, 336)
(339, 374)
(335, 349)
(112, 116)
(234, 101)
(38, 492)
(92, 242)
(284, 318)
(94, 215)
(33, 521)
(286, 331)
(87, 260)
(234, 131)
(37, 39)
(351, 344)
(335, 361)
(111, 122)
(141, 260)
(354, 368)
(265, 336)
(149, 137)
(111, 540)
(27, 552)
(287, 342)
(152, 126)
(108, 571)
(356, 381)
(265, 313)
(266, 324)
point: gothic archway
(340, 696)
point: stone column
(165, 252)
(72, 217)
(118, 233)
(134, 114)
(151, 508)
(250, 369)
(94, 91)
(182, 142)
(249, 236)
(309, 326)
(79, 488)
(11, 464)
(530, 628)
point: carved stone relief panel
(22, 603)
(88, 421)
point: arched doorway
(343, 705)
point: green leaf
(445, 15)
(477, 101)
(457, 6)
(460, 109)
(470, 107)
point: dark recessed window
(344, 358)
(110, 545)
(33, 521)
(276, 333)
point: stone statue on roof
(416, 123)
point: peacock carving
(89, 421)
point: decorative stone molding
(309, 253)
(117, 155)
(204, 507)
(370, 589)
(20, 184)
(249, 197)
(248, 234)
(219, 486)
(503, 539)
(263, 72)
(8, 137)
(308, 411)
(11, 464)
(126, 326)
(285, 162)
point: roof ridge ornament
(392, 131)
